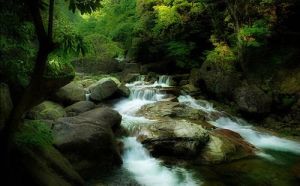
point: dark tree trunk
(33, 94)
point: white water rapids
(259, 139)
(147, 170)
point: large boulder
(88, 140)
(225, 145)
(43, 166)
(6, 104)
(171, 109)
(251, 99)
(195, 77)
(103, 89)
(47, 110)
(70, 93)
(79, 107)
(178, 138)
(217, 79)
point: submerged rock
(47, 110)
(88, 140)
(69, 94)
(225, 145)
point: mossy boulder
(47, 110)
(217, 79)
(106, 88)
(70, 93)
(103, 89)
(251, 99)
(87, 140)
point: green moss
(34, 133)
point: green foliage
(222, 54)
(166, 17)
(254, 35)
(34, 133)
(58, 66)
(180, 51)
(17, 52)
(101, 47)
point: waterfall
(147, 170)
(164, 80)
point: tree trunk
(32, 94)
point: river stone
(251, 99)
(88, 141)
(225, 145)
(70, 93)
(103, 89)
(79, 107)
(6, 104)
(123, 91)
(178, 138)
(171, 109)
(47, 110)
(190, 89)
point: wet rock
(47, 110)
(6, 104)
(122, 91)
(251, 99)
(130, 77)
(79, 107)
(171, 109)
(190, 89)
(183, 82)
(225, 145)
(69, 94)
(88, 141)
(179, 138)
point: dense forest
(150, 92)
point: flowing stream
(259, 139)
(274, 164)
(146, 169)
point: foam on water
(148, 171)
(196, 104)
(257, 138)
(261, 140)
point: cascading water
(259, 139)
(275, 163)
(146, 169)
